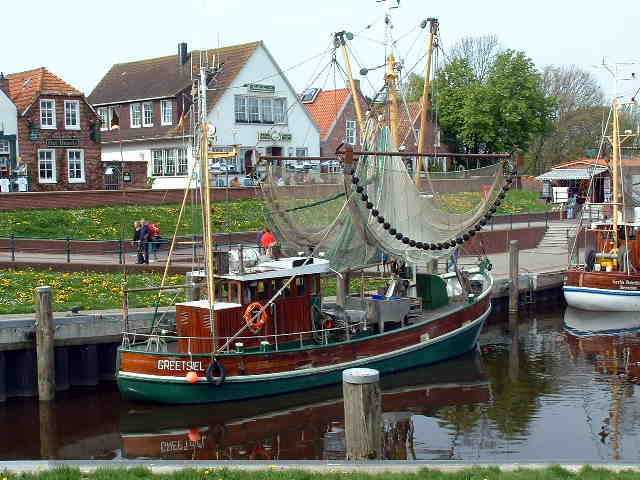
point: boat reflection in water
(611, 341)
(306, 425)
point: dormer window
(166, 112)
(48, 114)
(147, 114)
(136, 115)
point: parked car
(222, 167)
(331, 164)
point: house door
(275, 152)
(112, 178)
(248, 162)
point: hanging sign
(274, 137)
(258, 87)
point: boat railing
(157, 342)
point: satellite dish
(212, 130)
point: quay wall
(85, 349)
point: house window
(166, 112)
(279, 106)
(75, 166)
(266, 110)
(260, 110)
(302, 152)
(136, 115)
(182, 162)
(48, 114)
(169, 162)
(350, 132)
(4, 147)
(147, 118)
(72, 114)
(254, 110)
(108, 118)
(47, 166)
(241, 109)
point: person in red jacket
(267, 240)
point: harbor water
(536, 390)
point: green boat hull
(161, 391)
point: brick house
(335, 113)
(250, 102)
(8, 130)
(57, 133)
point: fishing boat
(263, 325)
(604, 272)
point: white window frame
(5, 147)
(182, 163)
(147, 107)
(350, 135)
(105, 118)
(164, 160)
(166, 112)
(54, 173)
(260, 110)
(302, 150)
(132, 111)
(82, 169)
(282, 101)
(75, 126)
(48, 126)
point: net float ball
(194, 433)
(192, 377)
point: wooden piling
(48, 431)
(513, 276)
(45, 344)
(362, 414)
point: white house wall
(262, 70)
(141, 151)
(8, 116)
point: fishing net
(312, 209)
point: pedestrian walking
(143, 242)
(154, 238)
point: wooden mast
(615, 171)
(355, 94)
(424, 109)
(394, 112)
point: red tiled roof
(326, 108)
(25, 87)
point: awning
(571, 173)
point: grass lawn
(109, 223)
(516, 201)
(274, 472)
(91, 290)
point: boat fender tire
(589, 260)
(217, 380)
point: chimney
(4, 84)
(182, 53)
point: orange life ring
(255, 323)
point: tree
(577, 118)
(500, 114)
(414, 87)
(480, 52)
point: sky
(80, 40)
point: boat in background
(608, 278)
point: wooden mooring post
(342, 288)
(45, 344)
(362, 414)
(513, 276)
